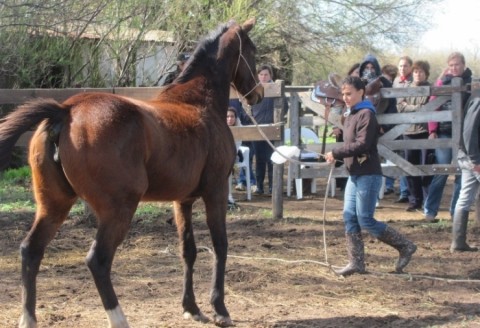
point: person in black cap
(168, 77)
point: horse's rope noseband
(240, 56)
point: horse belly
(173, 184)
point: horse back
(160, 150)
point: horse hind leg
(53, 206)
(114, 220)
(188, 249)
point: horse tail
(23, 119)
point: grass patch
(16, 191)
(17, 175)
(16, 195)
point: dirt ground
(277, 272)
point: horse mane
(204, 53)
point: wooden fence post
(277, 191)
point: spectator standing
(370, 70)
(263, 113)
(469, 161)
(455, 68)
(360, 155)
(403, 80)
(421, 72)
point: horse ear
(248, 25)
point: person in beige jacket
(416, 184)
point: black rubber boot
(459, 233)
(356, 255)
(404, 247)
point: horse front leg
(216, 216)
(188, 249)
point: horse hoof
(26, 321)
(197, 317)
(222, 321)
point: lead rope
(242, 99)
(293, 160)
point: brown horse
(114, 152)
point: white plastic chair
(244, 164)
(308, 136)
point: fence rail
(298, 104)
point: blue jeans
(435, 190)
(470, 184)
(404, 193)
(389, 183)
(359, 204)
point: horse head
(244, 77)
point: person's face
(419, 75)
(404, 68)
(231, 118)
(456, 67)
(369, 73)
(356, 72)
(351, 96)
(264, 76)
(370, 67)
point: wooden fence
(387, 145)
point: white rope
(242, 99)
(289, 159)
(326, 264)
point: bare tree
(65, 43)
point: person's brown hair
(265, 67)
(423, 65)
(232, 109)
(353, 68)
(390, 70)
(407, 58)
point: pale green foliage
(63, 43)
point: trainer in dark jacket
(359, 152)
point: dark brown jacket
(360, 135)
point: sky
(455, 25)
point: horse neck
(209, 90)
